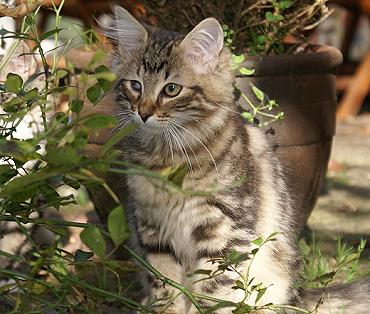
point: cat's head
(168, 82)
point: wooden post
(356, 91)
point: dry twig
(21, 9)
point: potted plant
(298, 76)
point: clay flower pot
(303, 85)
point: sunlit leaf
(259, 94)
(258, 241)
(248, 116)
(246, 71)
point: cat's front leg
(162, 297)
(263, 271)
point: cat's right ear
(128, 33)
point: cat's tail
(353, 298)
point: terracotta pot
(303, 85)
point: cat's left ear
(203, 45)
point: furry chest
(165, 219)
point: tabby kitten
(179, 90)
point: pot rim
(323, 59)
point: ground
(343, 209)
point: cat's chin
(151, 129)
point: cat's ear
(129, 34)
(203, 45)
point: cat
(179, 90)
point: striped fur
(201, 127)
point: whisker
(201, 143)
(169, 139)
(187, 143)
(227, 108)
(182, 148)
(121, 123)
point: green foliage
(319, 270)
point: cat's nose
(145, 115)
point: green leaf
(260, 294)
(82, 256)
(6, 173)
(31, 94)
(71, 182)
(280, 115)
(272, 236)
(49, 33)
(63, 156)
(26, 193)
(23, 183)
(93, 93)
(242, 309)
(207, 272)
(100, 121)
(3, 32)
(248, 116)
(246, 71)
(118, 136)
(61, 117)
(61, 74)
(13, 83)
(15, 208)
(76, 105)
(105, 77)
(259, 94)
(13, 105)
(93, 239)
(103, 72)
(19, 150)
(237, 59)
(98, 57)
(60, 230)
(258, 241)
(285, 4)
(262, 39)
(117, 226)
(178, 176)
(271, 17)
(50, 195)
(239, 284)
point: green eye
(172, 89)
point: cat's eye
(136, 86)
(172, 89)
